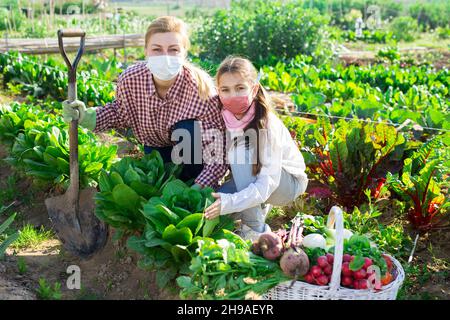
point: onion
(314, 240)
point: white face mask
(165, 67)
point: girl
(159, 96)
(267, 166)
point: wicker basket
(334, 291)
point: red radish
(346, 258)
(316, 271)
(346, 270)
(322, 261)
(352, 258)
(346, 281)
(322, 280)
(356, 284)
(363, 284)
(328, 270)
(330, 258)
(309, 278)
(367, 263)
(360, 274)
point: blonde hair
(164, 24)
(244, 67)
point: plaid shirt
(138, 106)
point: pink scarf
(233, 123)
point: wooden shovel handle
(72, 33)
(74, 187)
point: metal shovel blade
(81, 234)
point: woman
(267, 166)
(164, 94)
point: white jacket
(279, 152)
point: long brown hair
(172, 24)
(247, 70)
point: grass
(46, 292)
(31, 237)
(21, 265)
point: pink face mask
(236, 104)
(232, 123)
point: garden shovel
(72, 214)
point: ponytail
(205, 84)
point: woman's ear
(146, 52)
(184, 53)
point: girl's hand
(213, 211)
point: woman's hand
(213, 211)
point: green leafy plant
(430, 15)
(404, 28)
(49, 78)
(175, 223)
(261, 31)
(369, 36)
(348, 159)
(443, 33)
(360, 247)
(390, 54)
(424, 177)
(128, 185)
(42, 151)
(227, 269)
(390, 238)
(6, 241)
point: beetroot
(271, 245)
(256, 248)
(294, 263)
